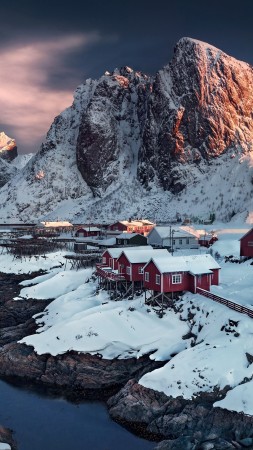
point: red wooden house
(87, 232)
(206, 240)
(132, 226)
(110, 256)
(181, 273)
(131, 262)
(246, 244)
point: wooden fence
(230, 304)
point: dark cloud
(137, 33)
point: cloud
(28, 101)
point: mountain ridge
(145, 145)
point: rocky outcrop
(182, 424)
(8, 147)
(72, 373)
(6, 438)
(8, 152)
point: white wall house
(172, 237)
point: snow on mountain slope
(21, 160)
(134, 145)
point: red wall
(136, 276)
(108, 262)
(246, 244)
(122, 260)
(117, 227)
(203, 281)
(188, 284)
(215, 277)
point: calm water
(41, 422)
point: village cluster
(131, 256)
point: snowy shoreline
(204, 348)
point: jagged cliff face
(201, 106)
(131, 144)
(111, 127)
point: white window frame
(140, 270)
(128, 270)
(177, 278)
(147, 276)
(158, 279)
(104, 260)
(180, 241)
(187, 241)
(125, 241)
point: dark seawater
(43, 422)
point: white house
(173, 238)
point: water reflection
(44, 422)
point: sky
(48, 48)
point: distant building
(87, 232)
(131, 239)
(206, 240)
(53, 227)
(172, 238)
(246, 244)
(131, 226)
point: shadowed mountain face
(128, 132)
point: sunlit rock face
(8, 147)
(201, 106)
(8, 152)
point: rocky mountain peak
(8, 147)
(202, 106)
(127, 132)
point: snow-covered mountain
(135, 145)
(21, 160)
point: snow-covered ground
(86, 320)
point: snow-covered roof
(127, 235)
(142, 256)
(136, 223)
(109, 241)
(167, 232)
(88, 229)
(116, 252)
(195, 264)
(55, 224)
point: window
(128, 271)
(140, 270)
(180, 241)
(125, 242)
(104, 260)
(250, 243)
(176, 279)
(174, 242)
(157, 279)
(146, 276)
(188, 241)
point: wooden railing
(230, 304)
(107, 274)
